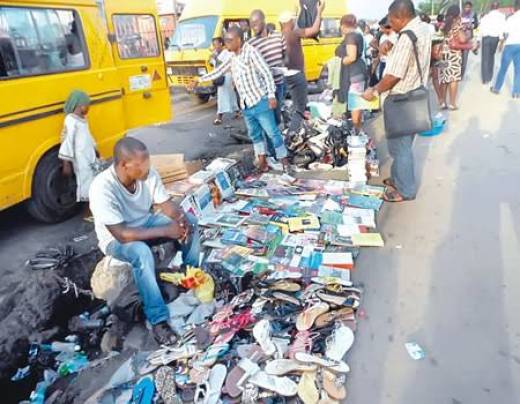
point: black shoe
(516, 95)
(494, 91)
(163, 334)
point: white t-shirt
(493, 24)
(513, 29)
(393, 37)
(111, 203)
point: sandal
(285, 286)
(165, 356)
(217, 122)
(351, 300)
(303, 342)
(281, 367)
(334, 384)
(307, 389)
(283, 386)
(344, 314)
(211, 356)
(144, 391)
(217, 377)
(239, 375)
(262, 334)
(306, 318)
(389, 182)
(165, 385)
(395, 196)
(286, 298)
(339, 343)
(334, 365)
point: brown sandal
(389, 182)
(395, 196)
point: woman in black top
(353, 67)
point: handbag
(409, 113)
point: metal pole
(432, 9)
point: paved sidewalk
(449, 276)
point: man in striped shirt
(273, 49)
(255, 85)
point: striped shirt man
(401, 62)
(273, 49)
(251, 76)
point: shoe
(516, 96)
(494, 90)
(163, 334)
(273, 164)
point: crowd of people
(255, 76)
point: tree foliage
(440, 6)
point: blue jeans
(511, 54)
(281, 92)
(140, 256)
(403, 166)
(259, 119)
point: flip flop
(333, 365)
(236, 379)
(165, 385)
(286, 298)
(389, 182)
(339, 343)
(262, 333)
(144, 391)
(283, 386)
(165, 356)
(306, 318)
(351, 301)
(285, 286)
(334, 385)
(210, 357)
(303, 342)
(307, 389)
(281, 367)
(330, 280)
(217, 377)
(395, 197)
(247, 350)
(344, 314)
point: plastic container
(61, 347)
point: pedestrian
(492, 27)
(295, 62)
(402, 75)
(511, 53)
(353, 75)
(257, 91)
(78, 149)
(470, 23)
(272, 48)
(451, 65)
(121, 200)
(226, 96)
(386, 42)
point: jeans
(511, 54)
(489, 49)
(281, 92)
(298, 88)
(403, 167)
(465, 57)
(259, 119)
(381, 67)
(140, 256)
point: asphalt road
(447, 279)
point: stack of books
(357, 155)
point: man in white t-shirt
(491, 31)
(121, 200)
(511, 53)
(386, 43)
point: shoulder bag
(409, 113)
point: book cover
(368, 240)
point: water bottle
(74, 365)
(61, 347)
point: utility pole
(432, 12)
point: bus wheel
(203, 98)
(53, 195)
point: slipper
(333, 365)
(240, 374)
(303, 342)
(351, 301)
(262, 334)
(217, 376)
(198, 375)
(330, 280)
(306, 318)
(334, 385)
(343, 290)
(281, 367)
(395, 197)
(283, 386)
(339, 343)
(247, 351)
(188, 394)
(344, 314)
(166, 356)
(144, 391)
(286, 286)
(284, 275)
(217, 122)
(307, 389)
(212, 354)
(165, 385)
(286, 298)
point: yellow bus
(111, 49)
(201, 21)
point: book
(368, 240)
(253, 192)
(229, 220)
(221, 164)
(298, 224)
(204, 200)
(347, 230)
(223, 184)
(180, 188)
(364, 202)
(201, 177)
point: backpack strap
(410, 34)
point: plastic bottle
(74, 365)
(61, 347)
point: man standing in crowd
(402, 75)
(511, 53)
(121, 199)
(469, 22)
(295, 63)
(492, 27)
(255, 85)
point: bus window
(330, 28)
(136, 36)
(36, 41)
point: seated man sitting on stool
(121, 200)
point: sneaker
(163, 334)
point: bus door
(138, 56)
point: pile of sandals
(281, 340)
